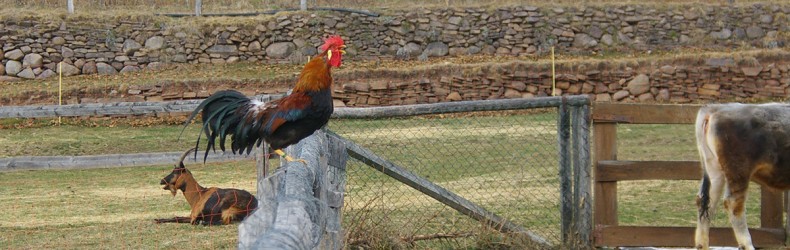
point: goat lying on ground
(210, 206)
(738, 143)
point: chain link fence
(504, 161)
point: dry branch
(435, 236)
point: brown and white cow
(739, 143)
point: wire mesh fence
(504, 161)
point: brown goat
(210, 206)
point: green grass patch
(80, 140)
(505, 163)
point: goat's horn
(184, 156)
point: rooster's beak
(342, 51)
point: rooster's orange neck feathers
(315, 76)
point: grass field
(505, 163)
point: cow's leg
(734, 203)
(708, 200)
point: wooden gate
(608, 170)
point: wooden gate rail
(608, 171)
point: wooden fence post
(565, 169)
(582, 176)
(605, 193)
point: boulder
(155, 43)
(58, 40)
(46, 74)
(455, 20)
(411, 49)
(454, 96)
(766, 18)
(180, 58)
(89, 68)
(639, 85)
(224, 49)
(624, 38)
(595, 32)
(724, 34)
(129, 47)
(512, 93)
(13, 67)
(754, 32)
(603, 97)
(105, 69)
(620, 95)
(69, 70)
(27, 73)
(646, 97)
(436, 49)
(585, 41)
(473, 50)
(254, 46)
(32, 61)
(16, 55)
(667, 69)
(280, 50)
(752, 71)
(663, 95)
(66, 52)
(520, 86)
(607, 39)
(129, 68)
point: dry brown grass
(226, 6)
(146, 9)
(110, 208)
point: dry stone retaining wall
(31, 47)
(714, 79)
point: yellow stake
(60, 87)
(553, 77)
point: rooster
(280, 122)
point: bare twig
(419, 237)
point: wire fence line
(501, 155)
(504, 160)
(108, 160)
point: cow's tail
(701, 132)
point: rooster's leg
(287, 157)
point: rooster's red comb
(332, 41)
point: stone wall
(701, 80)
(31, 47)
(759, 77)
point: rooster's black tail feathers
(223, 114)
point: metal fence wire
(507, 162)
